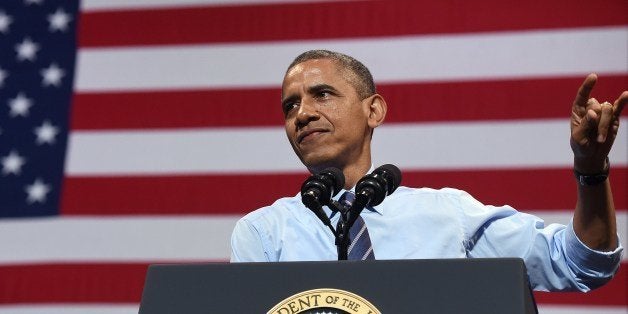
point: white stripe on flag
(581, 309)
(70, 308)
(107, 239)
(535, 54)
(472, 145)
(103, 5)
(140, 239)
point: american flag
(136, 132)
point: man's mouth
(309, 135)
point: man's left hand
(594, 127)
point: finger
(593, 104)
(584, 123)
(584, 91)
(606, 117)
(586, 127)
(619, 104)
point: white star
(20, 105)
(59, 21)
(12, 163)
(46, 133)
(26, 50)
(3, 75)
(5, 20)
(52, 75)
(37, 191)
(29, 2)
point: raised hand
(594, 127)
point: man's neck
(355, 172)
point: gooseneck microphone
(318, 190)
(373, 188)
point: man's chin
(317, 163)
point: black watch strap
(592, 179)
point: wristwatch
(593, 179)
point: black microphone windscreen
(394, 176)
(338, 178)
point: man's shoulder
(281, 207)
(287, 207)
(404, 191)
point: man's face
(326, 121)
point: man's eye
(324, 94)
(288, 106)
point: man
(331, 109)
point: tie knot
(347, 199)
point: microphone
(382, 182)
(318, 190)
(373, 188)
(321, 187)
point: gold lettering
(350, 304)
(322, 298)
(304, 303)
(330, 299)
(315, 297)
(293, 307)
(283, 310)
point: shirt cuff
(591, 261)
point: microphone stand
(342, 230)
(348, 216)
(342, 240)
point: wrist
(589, 166)
(593, 174)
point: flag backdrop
(134, 132)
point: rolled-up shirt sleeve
(555, 258)
(593, 267)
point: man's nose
(307, 112)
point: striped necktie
(360, 247)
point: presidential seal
(324, 301)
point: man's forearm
(594, 217)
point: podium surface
(390, 286)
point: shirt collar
(378, 209)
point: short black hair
(362, 80)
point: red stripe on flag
(123, 283)
(69, 283)
(411, 102)
(326, 20)
(177, 109)
(525, 189)
(199, 194)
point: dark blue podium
(390, 287)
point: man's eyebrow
(320, 87)
(289, 98)
(314, 89)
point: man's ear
(376, 110)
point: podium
(370, 287)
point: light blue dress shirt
(426, 223)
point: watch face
(591, 180)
